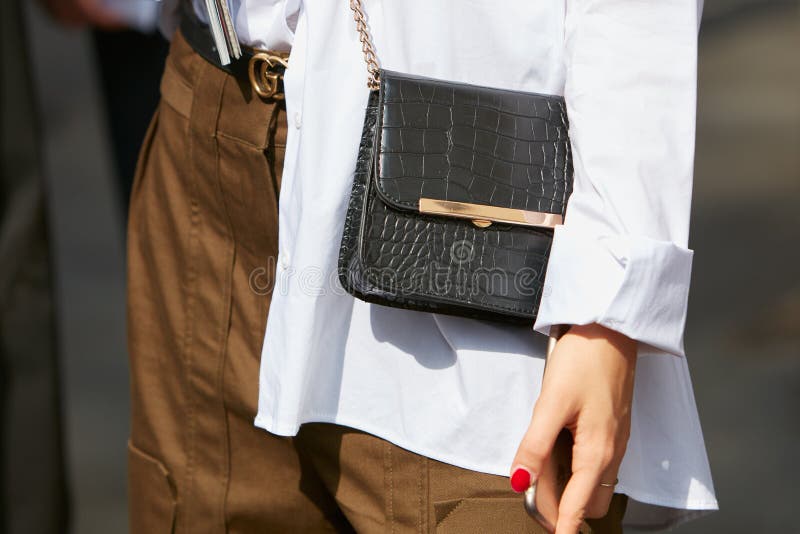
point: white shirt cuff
(632, 284)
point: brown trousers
(203, 220)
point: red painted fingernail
(520, 480)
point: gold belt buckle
(263, 77)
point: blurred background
(73, 113)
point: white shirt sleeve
(621, 257)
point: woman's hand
(588, 389)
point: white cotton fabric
(460, 390)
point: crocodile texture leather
(450, 141)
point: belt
(264, 68)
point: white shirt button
(285, 262)
(298, 119)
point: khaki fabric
(201, 247)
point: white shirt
(138, 14)
(460, 390)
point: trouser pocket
(151, 494)
(507, 515)
(504, 515)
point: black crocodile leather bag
(455, 195)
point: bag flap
(446, 141)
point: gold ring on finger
(605, 485)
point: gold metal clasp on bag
(263, 76)
(483, 215)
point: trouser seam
(420, 461)
(188, 336)
(225, 328)
(205, 72)
(390, 484)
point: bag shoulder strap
(367, 47)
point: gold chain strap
(374, 78)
